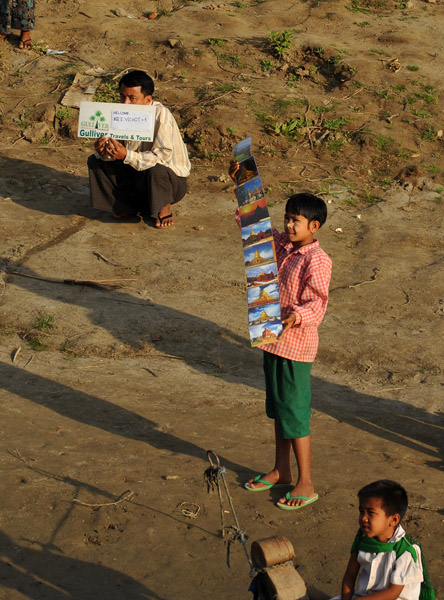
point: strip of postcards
(264, 310)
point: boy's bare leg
(281, 473)
(304, 485)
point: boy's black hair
(136, 78)
(309, 206)
(393, 496)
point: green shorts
(288, 394)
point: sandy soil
(114, 396)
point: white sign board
(119, 121)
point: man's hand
(288, 322)
(106, 146)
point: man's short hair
(393, 496)
(136, 79)
(309, 206)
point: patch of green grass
(280, 43)
(371, 198)
(430, 95)
(108, 92)
(217, 41)
(263, 117)
(64, 113)
(25, 119)
(281, 105)
(233, 60)
(356, 7)
(361, 23)
(335, 124)
(399, 88)
(36, 344)
(130, 42)
(410, 100)
(335, 146)
(422, 114)
(266, 65)
(212, 155)
(429, 133)
(293, 80)
(432, 168)
(385, 143)
(320, 110)
(386, 94)
(44, 322)
(412, 68)
(379, 52)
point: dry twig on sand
(101, 284)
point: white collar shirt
(379, 570)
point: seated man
(131, 177)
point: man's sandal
(160, 220)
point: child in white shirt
(388, 563)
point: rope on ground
(124, 496)
(212, 476)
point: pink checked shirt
(304, 277)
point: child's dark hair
(393, 496)
(136, 79)
(309, 206)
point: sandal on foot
(160, 220)
(288, 497)
(25, 44)
(267, 484)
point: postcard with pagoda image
(256, 233)
(253, 212)
(263, 294)
(249, 191)
(257, 276)
(247, 170)
(265, 333)
(260, 254)
(263, 315)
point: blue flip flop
(267, 484)
(285, 506)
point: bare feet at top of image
(165, 218)
(306, 490)
(274, 477)
(25, 40)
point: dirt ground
(112, 397)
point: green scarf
(367, 544)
